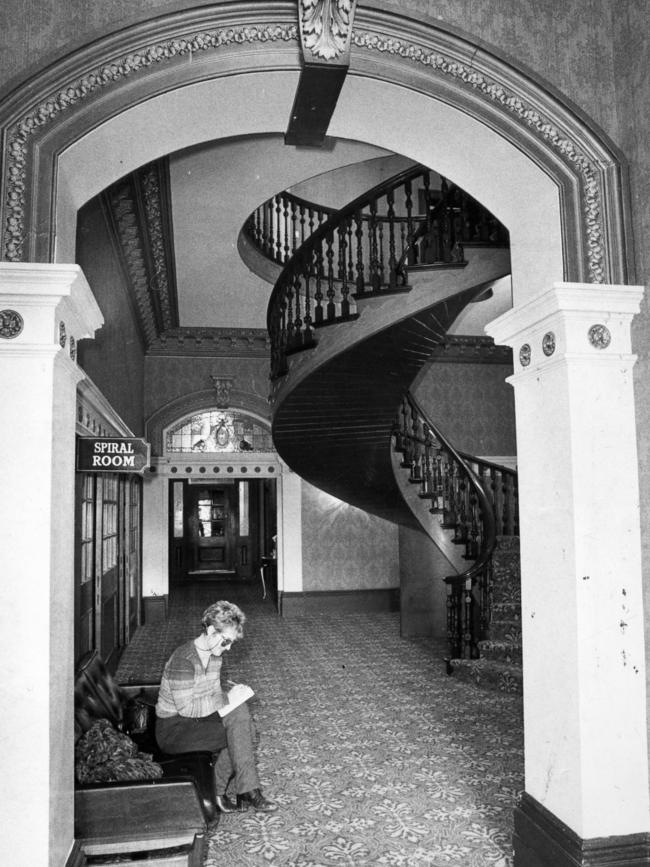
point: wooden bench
(165, 817)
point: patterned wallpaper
(345, 548)
(170, 378)
(472, 404)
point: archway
(114, 105)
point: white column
(155, 535)
(42, 307)
(289, 532)
(582, 615)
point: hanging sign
(112, 454)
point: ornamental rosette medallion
(325, 26)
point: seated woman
(187, 712)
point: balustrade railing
(281, 225)
(332, 259)
(477, 501)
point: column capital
(45, 305)
(580, 320)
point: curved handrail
(489, 537)
(308, 248)
(326, 257)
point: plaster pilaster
(55, 307)
(582, 610)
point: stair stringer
(430, 524)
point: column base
(542, 840)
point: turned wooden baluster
(373, 258)
(343, 270)
(290, 318)
(307, 318)
(358, 232)
(392, 259)
(265, 228)
(416, 428)
(381, 255)
(350, 243)
(286, 247)
(408, 191)
(297, 330)
(301, 230)
(472, 541)
(318, 294)
(426, 487)
(329, 253)
(277, 229)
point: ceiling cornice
(137, 207)
(213, 343)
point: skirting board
(326, 601)
(542, 840)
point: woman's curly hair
(221, 614)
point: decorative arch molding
(196, 402)
(58, 106)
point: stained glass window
(219, 431)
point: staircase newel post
(468, 630)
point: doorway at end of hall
(220, 529)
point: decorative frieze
(151, 179)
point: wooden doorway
(219, 529)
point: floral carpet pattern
(373, 754)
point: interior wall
(472, 404)
(114, 360)
(344, 548)
(168, 378)
(631, 33)
(337, 188)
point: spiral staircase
(362, 297)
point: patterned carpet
(374, 755)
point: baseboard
(542, 840)
(349, 601)
(76, 858)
